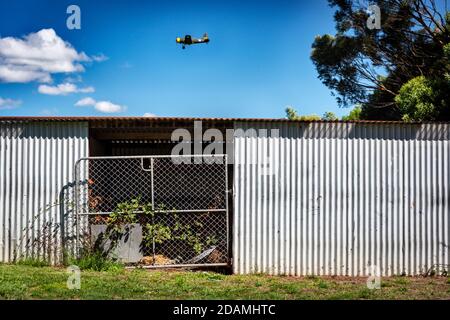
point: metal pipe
(158, 211)
(153, 205)
(77, 213)
(154, 156)
(178, 266)
(226, 206)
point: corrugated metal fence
(36, 178)
(319, 198)
(338, 198)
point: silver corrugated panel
(36, 175)
(339, 198)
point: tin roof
(130, 120)
(185, 119)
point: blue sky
(257, 63)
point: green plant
(156, 232)
(322, 284)
(329, 116)
(120, 222)
(25, 282)
(355, 114)
(424, 99)
(157, 229)
(402, 289)
(125, 213)
(96, 261)
(292, 114)
(33, 262)
(365, 293)
(401, 280)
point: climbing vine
(156, 229)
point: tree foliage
(329, 116)
(292, 114)
(355, 114)
(422, 99)
(370, 66)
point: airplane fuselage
(188, 40)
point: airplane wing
(204, 39)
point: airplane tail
(205, 36)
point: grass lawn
(29, 282)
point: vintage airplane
(188, 40)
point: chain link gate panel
(154, 211)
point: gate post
(153, 206)
(226, 208)
(77, 218)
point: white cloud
(108, 107)
(21, 74)
(85, 102)
(102, 106)
(7, 104)
(37, 56)
(99, 58)
(148, 114)
(63, 89)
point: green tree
(422, 99)
(292, 114)
(329, 116)
(355, 114)
(369, 66)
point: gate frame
(152, 157)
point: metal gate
(154, 211)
